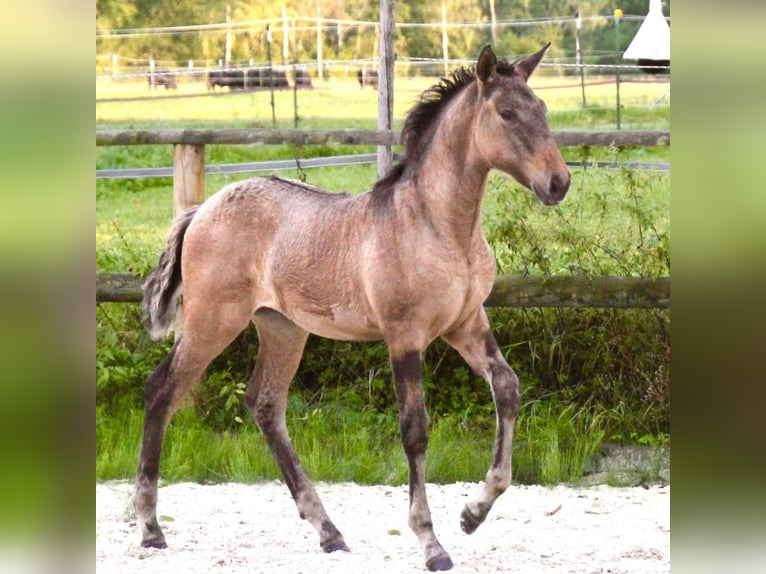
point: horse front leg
(476, 344)
(413, 422)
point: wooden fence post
(445, 41)
(386, 81)
(320, 41)
(188, 176)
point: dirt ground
(254, 528)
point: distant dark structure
(268, 78)
(654, 66)
(367, 78)
(302, 79)
(233, 78)
(162, 78)
(246, 78)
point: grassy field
(587, 375)
(338, 102)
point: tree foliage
(344, 41)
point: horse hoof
(334, 546)
(156, 543)
(468, 522)
(439, 563)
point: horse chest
(445, 298)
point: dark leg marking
(476, 344)
(157, 402)
(413, 423)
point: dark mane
(421, 118)
(432, 101)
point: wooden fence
(347, 136)
(189, 152)
(508, 291)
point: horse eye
(507, 115)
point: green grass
(337, 101)
(336, 443)
(556, 445)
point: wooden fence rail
(508, 291)
(348, 137)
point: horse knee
(413, 426)
(266, 411)
(505, 389)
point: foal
(404, 263)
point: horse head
(512, 133)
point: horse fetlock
(472, 516)
(497, 482)
(420, 522)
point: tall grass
(336, 443)
(556, 445)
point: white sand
(254, 528)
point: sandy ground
(254, 528)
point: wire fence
(335, 161)
(313, 23)
(198, 70)
(194, 82)
(301, 35)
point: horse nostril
(559, 185)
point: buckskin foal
(405, 263)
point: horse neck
(452, 175)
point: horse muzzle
(553, 191)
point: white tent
(652, 41)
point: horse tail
(162, 287)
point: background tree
(355, 41)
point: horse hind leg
(204, 336)
(476, 344)
(281, 344)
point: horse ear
(486, 64)
(528, 65)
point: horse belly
(344, 324)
